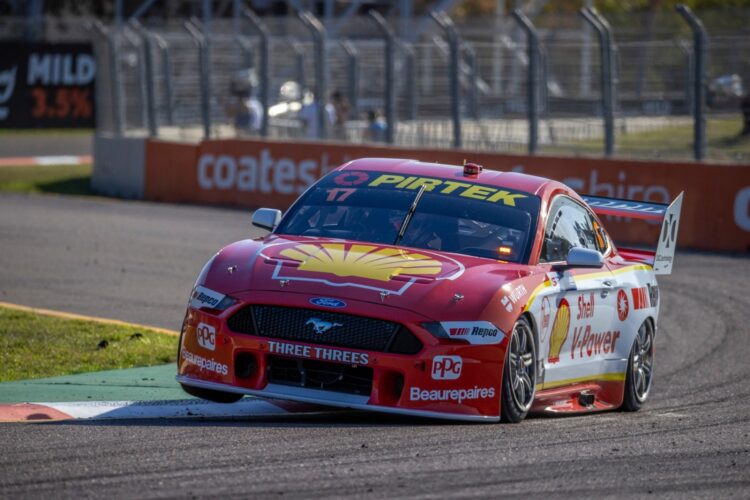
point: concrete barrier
(119, 166)
(251, 173)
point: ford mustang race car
(432, 290)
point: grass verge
(33, 345)
(670, 143)
(60, 179)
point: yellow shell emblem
(363, 261)
(559, 331)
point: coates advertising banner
(715, 212)
(46, 85)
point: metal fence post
(390, 95)
(471, 62)
(166, 69)
(246, 49)
(613, 58)
(319, 37)
(148, 66)
(299, 64)
(686, 50)
(700, 40)
(134, 39)
(446, 23)
(607, 81)
(352, 56)
(205, 79)
(411, 81)
(532, 92)
(543, 80)
(113, 55)
(263, 71)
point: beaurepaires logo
(7, 85)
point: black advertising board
(45, 85)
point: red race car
(432, 290)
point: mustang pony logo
(363, 261)
(321, 326)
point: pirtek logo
(446, 367)
(321, 326)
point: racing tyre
(640, 372)
(519, 374)
(215, 396)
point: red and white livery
(433, 290)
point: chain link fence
(187, 81)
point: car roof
(511, 180)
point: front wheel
(519, 374)
(640, 372)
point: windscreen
(450, 215)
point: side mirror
(583, 257)
(267, 218)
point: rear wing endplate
(668, 215)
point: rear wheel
(640, 372)
(519, 375)
(210, 395)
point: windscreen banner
(45, 85)
(250, 173)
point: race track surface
(137, 262)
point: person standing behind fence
(243, 108)
(341, 110)
(376, 127)
(308, 115)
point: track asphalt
(137, 261)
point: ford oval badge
(327, 302)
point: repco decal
(560, 329)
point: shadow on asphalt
(339, 418)
(336, 418)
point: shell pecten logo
(362, 261)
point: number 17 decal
(339, 194)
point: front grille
(353, 332)
(320, 375)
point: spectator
(309, 116)
(341, 111)
(745, 106)
(376, 127)
(243, 108)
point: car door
(581, 300)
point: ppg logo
(206, 336)
(446, 367)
